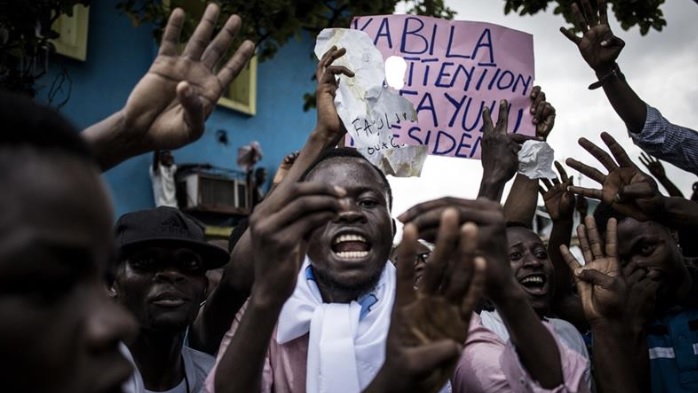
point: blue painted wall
(119, 54)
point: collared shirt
(669, 142)
(562, 330)
(488, 364)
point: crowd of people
(313, 296)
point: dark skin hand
(559, 201)
(169, 105)
(543, 113)
(625, 188)
(520, 206)
(597, 45)
(429, 325)
(600, 48)
(280, 240)
(655, 167)
(604, 294)
(535, 345)
(499, 152)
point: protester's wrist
(606, 76)
(266, 297)
(614, 327)
(324, 134)
(603, 69)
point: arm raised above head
(169, 105)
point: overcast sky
(662, 67)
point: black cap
(166, 226)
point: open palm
(169, 105)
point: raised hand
(598, 46)
(328, 121)
(653, 165)
(488, 216)
(169, 105)
(627, 189)
(600, 283)
(543, 113)
(559, 200)
(280, 233)
(499, 149)
(430, 325)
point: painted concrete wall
(119, 54)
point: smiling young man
(533, 270)
(161, 279)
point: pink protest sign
(454, 70)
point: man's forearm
(627, 104)
(216, 318)
(559, 235)
(106, 139)
(566, 304)
(678, 213)
(491, 189)
(621, 360)
(670, 187)
(240, 368)
(520, 206)
(534, 343)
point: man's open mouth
(535, 283)
(350, 246)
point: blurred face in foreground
(59, 330)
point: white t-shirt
(566, 333)
(196, 367)
(164, 185)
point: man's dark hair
(351, 153)
(25, 123)
(605, 212)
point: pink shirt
(487, 365)
(490, 365)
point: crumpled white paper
(536, 160)
(365, 104)
(405, 161)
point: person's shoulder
(200, 359)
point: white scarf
(347, 341)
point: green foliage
(645, 14)
(25, 34)
(272, 23)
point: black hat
(166, 225)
